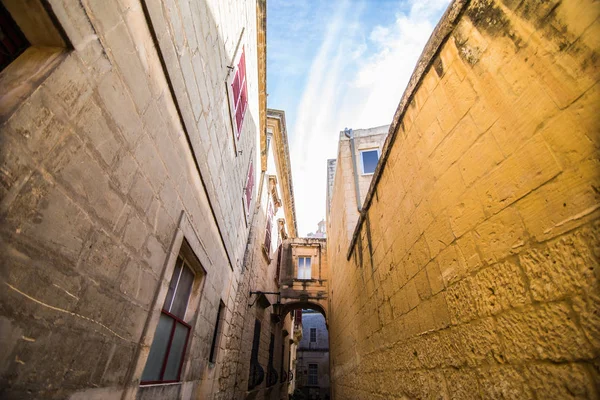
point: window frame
(362, 164)
(315, 376)
(234, 69)
(310, 335)
(176, 319)
(304, 268)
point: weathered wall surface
(474, 272)
(97, 171)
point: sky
(335, 64)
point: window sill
(23, 76)
(159, 384)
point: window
(313, 335)
(257, 374)
(170, 339)
(369, 159)
(269, 227)
(238, 94)
(304, 267)
(249, 188)
(12, 40)
(272, 377)
(313, 374)
(217, 334)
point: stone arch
(303, 305)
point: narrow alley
(151, 245)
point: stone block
(117, 102)
(568, 202)
(99, 131)
(454, 146)
(69, 86)
(561, 381)
(498, 288)
(528, 168)
(480, 158)
(500, 235)
(466, 213)
(44, 214)
(563, 267)
(103, 257)
(126, 57)
(481, 343)
(546, 332)
(461, 303)
(436, 280)
(439, 235)
(462, 383)
(504, 382)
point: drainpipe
(348, 133)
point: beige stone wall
(105, 163)
(474, 273)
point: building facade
(359, 151)
(137, 184)
(313, 357)
(472, 268)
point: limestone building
(137, 188)
(472, 268)
(359, 151)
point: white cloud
(356, 80)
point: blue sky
(336, 64)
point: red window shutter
(249, 185)
(240, 93)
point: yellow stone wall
(474, 273)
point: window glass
(173, 284)
(182, 293)
(304, 267)
(158, 350)
(313, 371)
(313, 335)
(369, 160)
(176, 353)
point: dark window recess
(12, 41)
(313, 335)
(249, 186)
(313, 374)
(272, 375)
(269, 227)
(217, 334)
(278, 270)
(370, 158)
(257, 374)
(171, 337)
(283, 373)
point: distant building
(358, 155)
(320, 233)
(313, 357)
